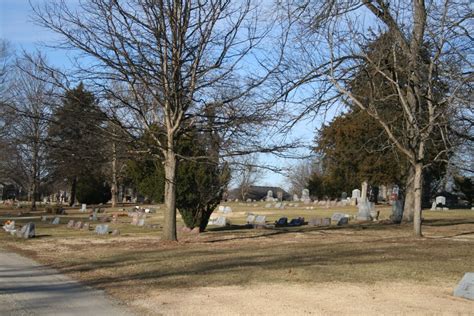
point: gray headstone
(70, 224)
(340, 219)
(227, 210)
(220, 221)
(465, 287)
(102, 229)
(141, 222)
(397, 211)
(27, 231)
(56, 221)
(250, 219)
(260, 219)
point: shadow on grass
(446, 222)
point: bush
(93, 190)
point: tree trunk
(169, 227)
(417, 185)
(72, 198)
(113, 188)
(409, 205)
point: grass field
(149, 274)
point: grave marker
(102, 229)
(465, 287)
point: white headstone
(356, 194)
(295, 197)
(269, 196)
(83, 207)
(227, 210)
(305, 196)
(440, 200)
(363, 193)
(221, 208)
(433, 206)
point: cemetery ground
(360, 268)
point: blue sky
(17, 26)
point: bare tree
(299, 175)
(30, 104)
(426, 66)
(169, 59)
(245, 174)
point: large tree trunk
(72, 198)
(409, 204)
(169, 227)
(418, 185)
(113, 188)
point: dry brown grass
(136, 262)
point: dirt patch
(386, 298)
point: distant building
(258, 193)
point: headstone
(55, 221)
(102, 229)
(344, 195)
(433, 206)
(280, 196)
(326, 221)
(397, 211)
(134, 219)
(269, 197)
(355, 198)
(305, 196)
(221, 221)
(221, 208)
(278, 205)
(364, 210)
(70, 224)
(268, 205)
(465, 287)
(260, 219)
(141, 222)
(44, 218)
(315, 222)
(27, 231)
(86, 226)
(340, 219)
(83, 207)
(440, 200)
(227, 210)
(250, 219)
(295, 197)
(78, 225)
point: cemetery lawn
(369, 268)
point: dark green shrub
(93, 190)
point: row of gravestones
(101, 229)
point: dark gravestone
(465, 288)
(343, 221)
(27, 231)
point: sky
(18, 28)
